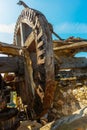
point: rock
(29, 125)
(77, 121)
(54, 110)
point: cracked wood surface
(72, 63)
(9, 49)
(11, 64)
(66, 49)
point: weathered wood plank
(72, 73)
(11, 64)
(79, 72)
(71, 46)
(29, 40)
(22, 33)
(9, 49)
(72, 63)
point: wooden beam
(22, 33)
(79, 72)
(70, 46)
(9, 49)
(29, 40)
(11, 64)
(64, 74)
(73, 63)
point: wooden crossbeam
(29, 40)
(73, 63)
(73, 73)
(11, 64)
(70, 46)
(9, 49)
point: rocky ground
(68, 112)
(77, 121)
(68, 99)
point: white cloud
(75, 28)
(7, 28)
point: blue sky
(68, 17)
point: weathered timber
(79, 72)
(9, 49)
(70, 46)
(72, 63)
(32, 31)
(73, 73)
(11, 64)
(68, 52)
(68, 79)
(22, 33)
(29, 40)
(29, 83)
